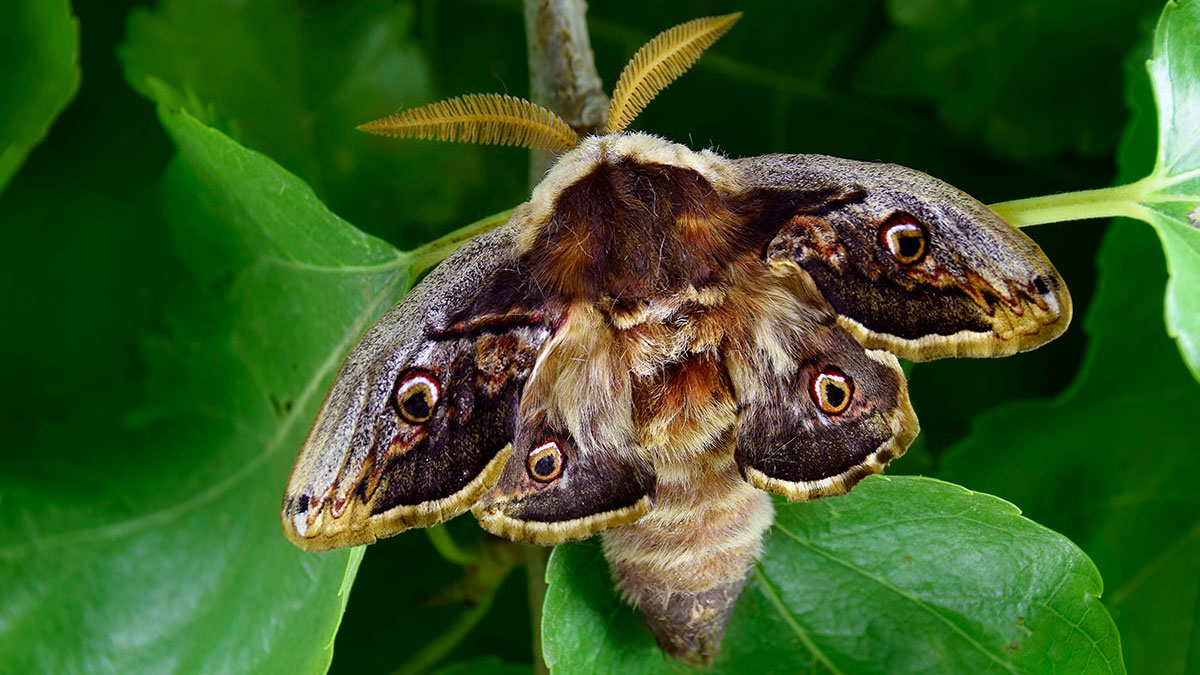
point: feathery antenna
(506, 120)
(659, 62)
(481, 118)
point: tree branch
(562, 70)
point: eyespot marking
(831, 389)
(545, 462)
(905, 238)
(1040, 285)
(417, 395)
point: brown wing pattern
(552, 490)
(909, 263)
(421, 417)
(818, 412)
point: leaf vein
(902, 593)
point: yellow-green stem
(436, 251)
(449, 549)
(1110, 202)
(438, 648)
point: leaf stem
(434, 252)
(449, 549)
(443, 644)
(1110, 202)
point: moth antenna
(481, 118)
(659, 62)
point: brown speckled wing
(420, 419)
(909, 263)
(818, 412)
(552, 490)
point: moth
(654, 343)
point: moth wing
(420, 418)
(818, 412)
(555, 489)
(909, 263)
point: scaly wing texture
(908, 263)
(552, 490)
(481, 118)
(421, 417)
(659, 62)
(819, 413)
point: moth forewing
(981, 287)
(364, 470)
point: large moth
(654, 342)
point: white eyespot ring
(905, 238)
(832, 390)
(545, 462)
(417, 395)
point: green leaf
(1111, 463)
(902, 575)
(295, 84)
(178, 545)
(39, 47)
(989, 68)
(1172, 192)
(1169, 197)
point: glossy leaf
(1172, 192)
(1112, 463)
(295, 84)
(179, 545)
(39, 47)
(1169, 197)
(902, 575)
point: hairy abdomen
(685, 562)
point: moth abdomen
(684, 564)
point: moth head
(506, 120)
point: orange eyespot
(832, 390)
(545, 462)
(905, 238)
(416, 396)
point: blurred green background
(128, 390)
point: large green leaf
(1169, 197)
(173, 559)
(1172, 192)
(984, 65)
(1112, 462)
(39, 47)
(294, 84)
(902, 575)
